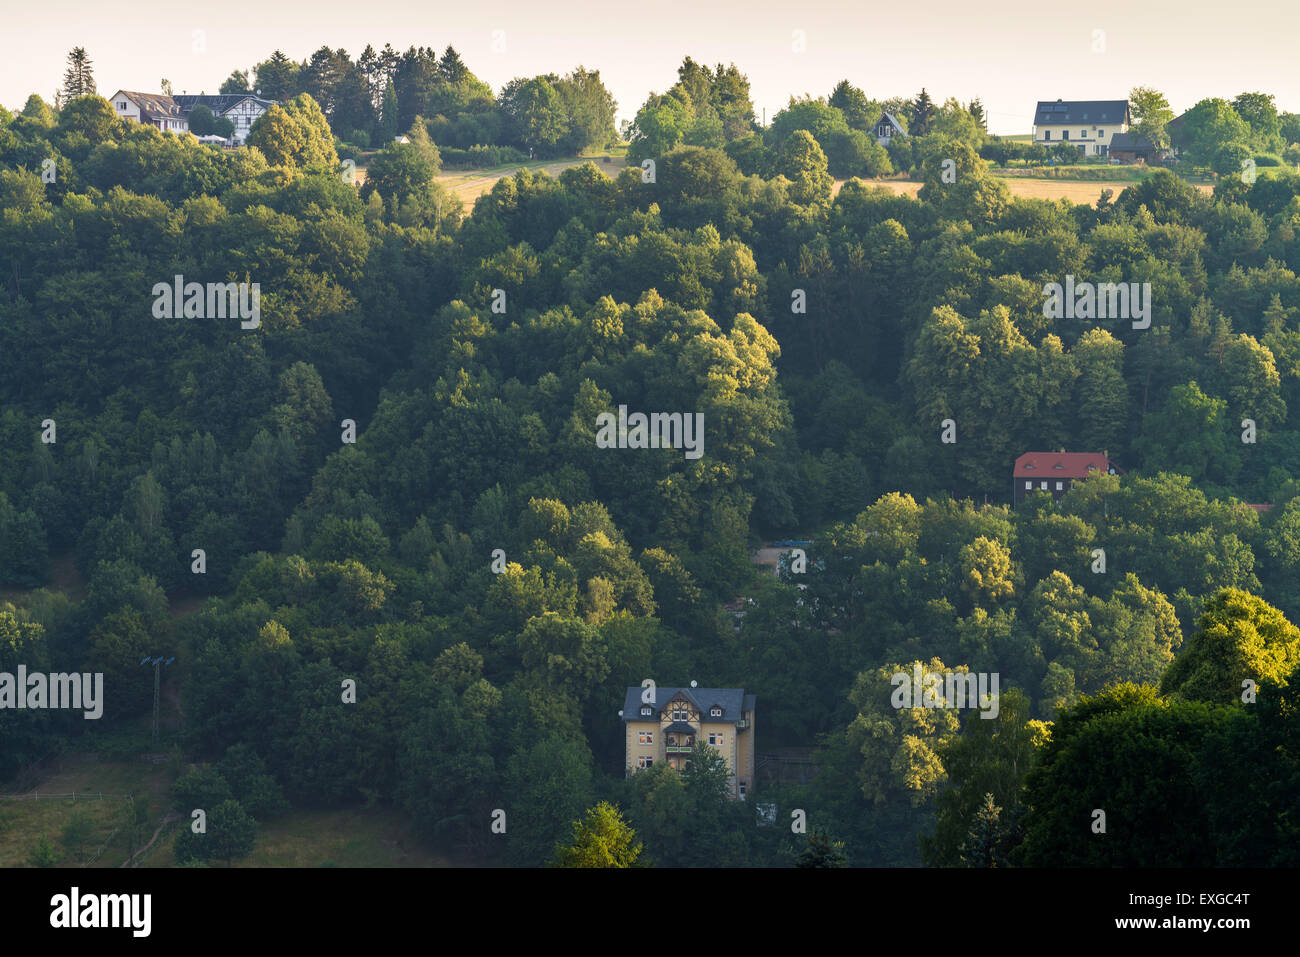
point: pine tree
(922, 114)
(822, 851)
(388, 120)
(79, 77)
(983, 846)
(976, 110)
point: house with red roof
(1056, 472)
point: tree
(802, 161)
(535, 114)
(600, 839)
(44, 854)
(922, 114)
(165, 85)
(77, 831)
(976, 110)
(986, 843)
(1239, 637)
(853, 103)
(79, 77)
(1260, 113)
(388, 114)
(277, 77)
(822, 851)
(237, 82)
(1151, 114)
(201, 120)
(230, 834)
(296, 135)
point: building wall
(132, 112)
(737, 748)
(634, 749)
(1097, 136)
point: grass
(359, 837)
(23, 822)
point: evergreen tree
(822, 851)
(79, 77)
(922, 114)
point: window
(742, 789)
(1083, 134)
(121, 106)
(715, 712)
(715, 738)
(1059, 486)
(681, 714)
(646, 737)
(1042, 485)
(1028, 486)
(644, 761)
(1047, 135)
(1101, 132)
(1065, 134)
(647, 710)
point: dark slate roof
(680, 727)
(733, 702)
(892, 121)
(154, 105)
(218, 103)
(1131, 141)
(1075, 112)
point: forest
(473, 352)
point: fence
(38, 796)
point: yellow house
(1087, 125)
(663, 725)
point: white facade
(1087, 125)
(170, 114)
(155, 109)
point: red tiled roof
(1060, 464)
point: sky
(1008, 53)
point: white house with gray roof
(1085, 124)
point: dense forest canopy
(423, 388)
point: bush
(481, 156)
(1267, 159)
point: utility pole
(157, 683)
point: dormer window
(647, 711)
(715, 712)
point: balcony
(679, 745)
(742, 724)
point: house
(1132, 148)
(666, 729)
(242, 109)
(155, 109)
(1056, 472)
(171, 113)
(887, 128)
(1087, 124)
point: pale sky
(1010, 53)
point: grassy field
(23, 822)
(360, 837)
(1083, 193)
(470, 184)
